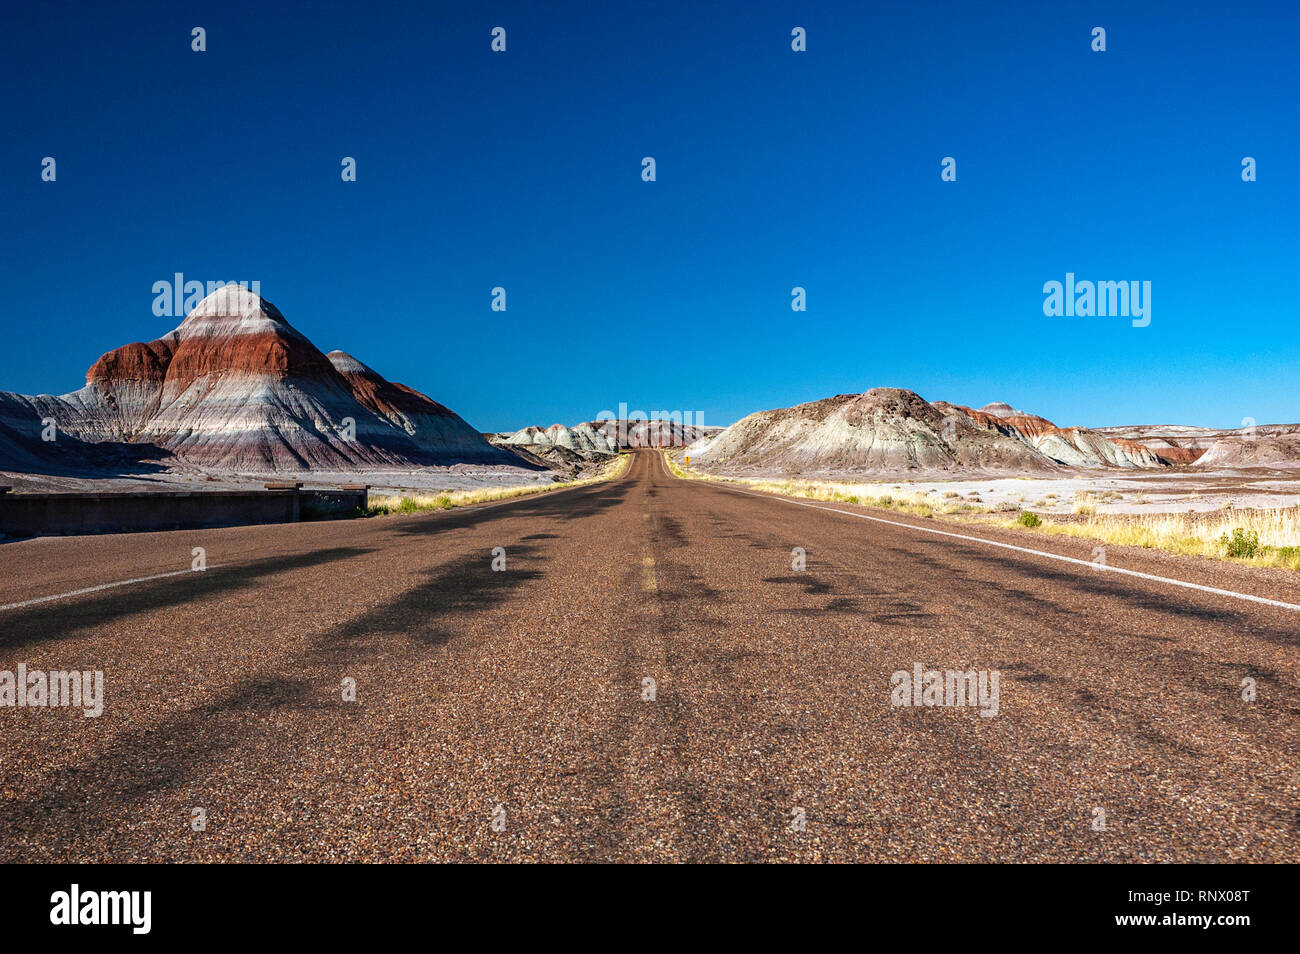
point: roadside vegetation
(381, 504)
(921, 505)
(1254, 537)
(1268, 538)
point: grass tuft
(1269, 538)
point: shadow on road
(137, 765)
(57, 620)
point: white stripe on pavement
(96, 589)
(162, 576)
(1102, 567)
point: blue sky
(775, 169)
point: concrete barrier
(26, 515)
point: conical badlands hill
(895, 432)
(237, 388)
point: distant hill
(236, 387)
(895, 432)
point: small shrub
(1242, 544)
(1029, 519)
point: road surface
(505, 714)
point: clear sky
(774, 169)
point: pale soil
(1110, 492)
(421, 479)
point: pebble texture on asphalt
(524, 689)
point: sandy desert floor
(1111, 492)
(423, 479)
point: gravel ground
(524, 689)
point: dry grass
(833, 492)
(413, 503)
(1211, 535)
(1203, 534)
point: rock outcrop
(1176, 443)
(236, 388)
(653, 433)
(1072, 446)
(584, 440)
(884, 431)
(602, 438)
(894, 432)
(1272, 446)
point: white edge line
(1102, 567)
(96, 589)
(486, 505)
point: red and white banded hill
(237, 388)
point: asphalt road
(523, 689)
